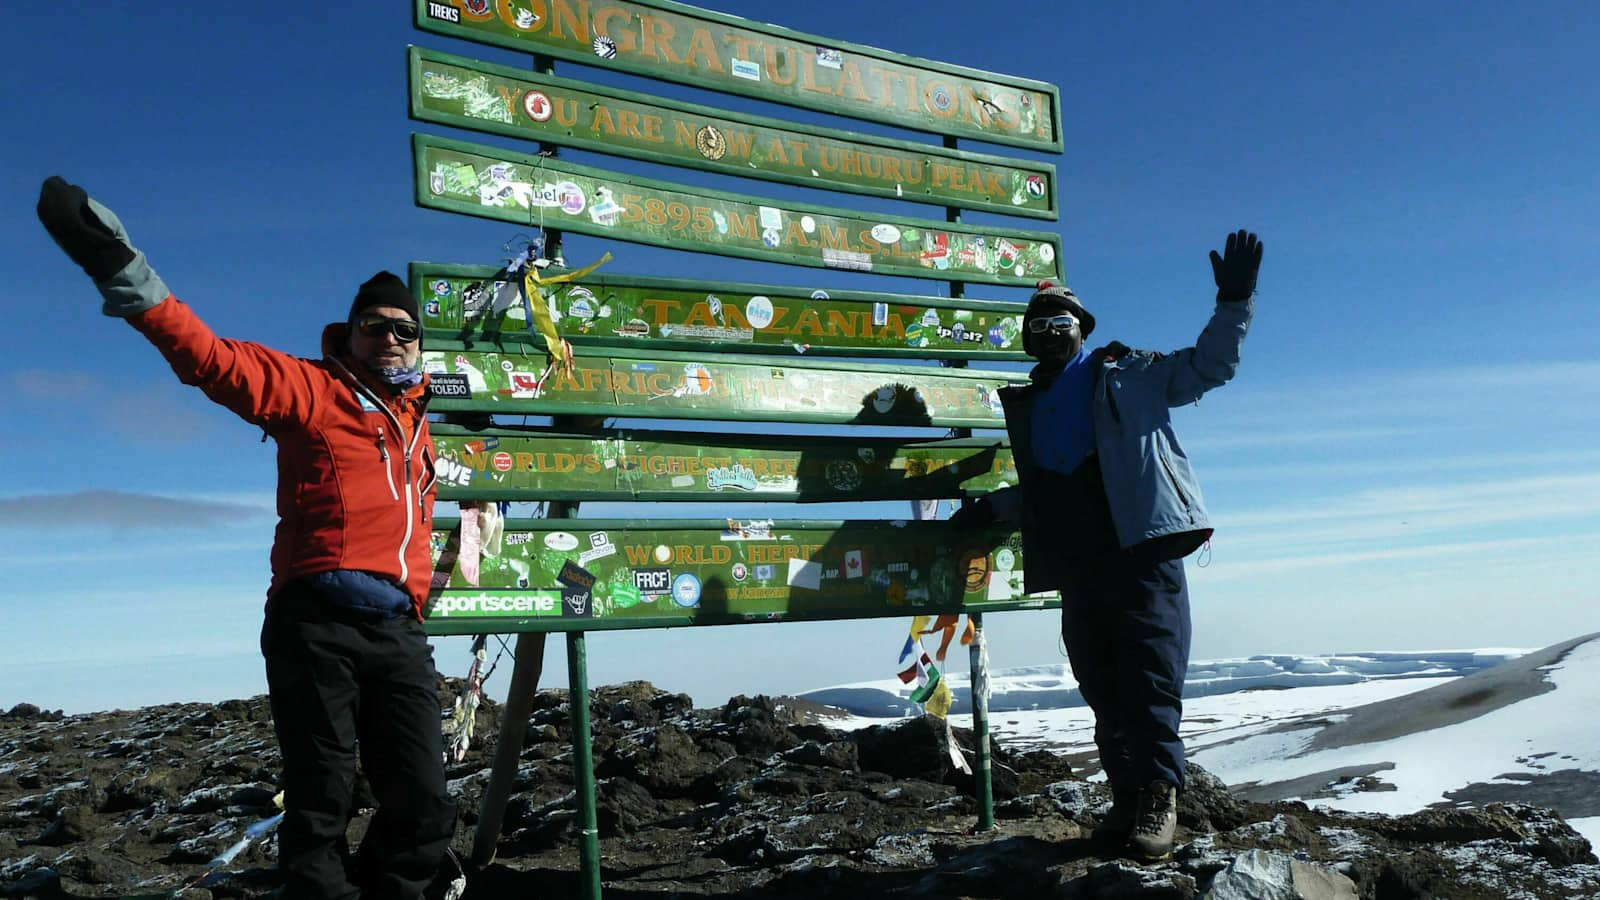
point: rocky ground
(756, 799)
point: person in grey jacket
(1108, 506)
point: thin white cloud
(116, 509)
(1523, 551)
(159, 411)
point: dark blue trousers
(1126, 626)
(337, 681)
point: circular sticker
(1004, 559)
(1047, 252)
(843, 476)
(502, 462)
(771, 238)
(686, 590)
(441, 287)
(537, 106)
(696, 379)
(714, 306)
(975, 570)
(740, 571)
(808, 224)
(819, 295)
(663, 554)
(572, 199)
(561, 541)
(941, 99)
(886, 234)
(758, 312)
(605, 47)
(507, 365)
(710, 142)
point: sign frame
(728, 142)
(763, 224)
(953, 100)
(424, 275)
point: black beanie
(384, 289)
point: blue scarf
(400, 376)
(1063, 417)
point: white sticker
(744, 68)
(886, 234)
(758, 312)
(561, 541)
(683, 481)
(805, 574)
(808, 224)
(663, 554)
(1047, 252)
(771, 217)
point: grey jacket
(1151, 488)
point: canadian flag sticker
(854, 566)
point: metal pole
(980, 725)
(583, 765)
(983, 780)
(508, 749)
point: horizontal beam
(467, 93)
(715, 51)
(668, 385)
(507, 464)
(586, 575)
(646, 312)
(545, 192)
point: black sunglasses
(404, 330)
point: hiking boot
(1114, 829)
(1155, 822)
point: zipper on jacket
(388, 473)
(1172, 476)
(416, 435)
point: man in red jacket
(347, 659)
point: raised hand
(1235, 270)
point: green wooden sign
(670, 385)
(454, 90)
(504, 464)
(585, 575)
(675, 42)
(551, 193)
(640, 311)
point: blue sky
(1408, 458)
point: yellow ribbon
(532, 285)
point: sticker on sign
(486, 604)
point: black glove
(79, 226)
(974, 515)
(95, 239)
(1236, 268)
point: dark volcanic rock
(749, 800)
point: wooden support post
(508, 749)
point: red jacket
(355, 462)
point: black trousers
(338, 680)
(1125, 621)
